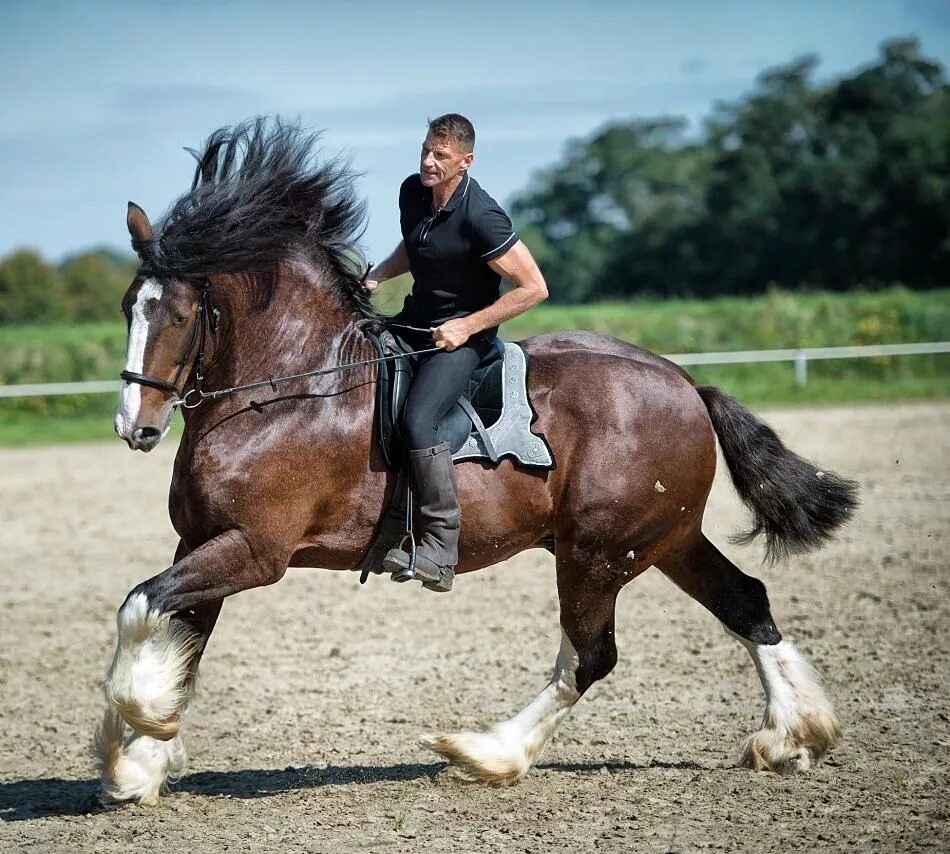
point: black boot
(433, 483)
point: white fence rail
(800, 358)
(803, 356)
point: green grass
(91, 421)
(776, 320)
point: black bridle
(206, 323)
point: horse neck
(303, 325)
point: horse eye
(179, 319)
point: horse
(253, 273)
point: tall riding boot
(391, 530)
(433, 483)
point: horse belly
(505, 510)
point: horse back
(618, 412)
(559, 346)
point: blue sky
(97, 99)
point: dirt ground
(314, 691)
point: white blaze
(130, 396)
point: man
(458, 243)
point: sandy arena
(314, 691)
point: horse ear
(139, 226)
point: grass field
(777, 320)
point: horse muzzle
(140, 437)
(145, 438)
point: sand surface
(314, 691)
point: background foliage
(49, 353)
(87, 286)
(796, 193)
(797, 185)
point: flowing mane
(260, 195)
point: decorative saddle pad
(491, 421)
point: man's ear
(139, 227)
(467, 160)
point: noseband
(206, 321)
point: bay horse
(253, 273)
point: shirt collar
(455, 198)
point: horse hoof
(477, 757)
(791, 752)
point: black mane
(261, 196)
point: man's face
(442, 160)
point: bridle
(206, 323)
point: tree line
(796, 185)
(84, 287)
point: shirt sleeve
(405, 206)
(404, 189)
(492, 233)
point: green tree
(630, 182)
(94, 284)
(31, 291)
(795, 184)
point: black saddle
(479, 408)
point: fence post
(801, 368)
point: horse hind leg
(800, 725)
(504, 754)
(138, 746)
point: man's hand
(452, 334)
(370, 284)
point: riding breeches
(441, 379)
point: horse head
(164, 319)
(274, 227)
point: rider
(458, 243)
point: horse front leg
(163, 627)
(134, 766)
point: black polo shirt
(449, 251)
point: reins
(207, 322)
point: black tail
(794, 503)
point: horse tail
(794, 503)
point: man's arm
(395, 265)
(519, 267)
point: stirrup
(436, 578)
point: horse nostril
(147, 437)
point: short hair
(455, 127)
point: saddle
(491, 421)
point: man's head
(448, 149)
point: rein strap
(273, 382)
(207, 321)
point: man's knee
(419, 430)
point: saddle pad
(510, 435)
(499, 397)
